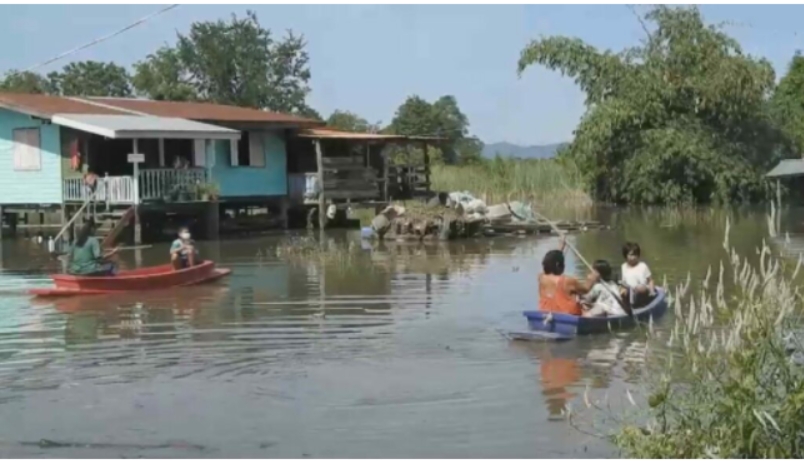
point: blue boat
(555, 326)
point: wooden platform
(543, 227)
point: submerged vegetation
(730, 383)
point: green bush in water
(730, 383)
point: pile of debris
(445, 217)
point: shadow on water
(395, 354)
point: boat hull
(149, 278)
(563, 326)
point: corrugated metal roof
(791, 167)
(45, 106)
(206, 111)
(137, 127)
(329, 133)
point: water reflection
(394, 355)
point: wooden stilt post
(319, 156)
(385, 175)
(283, 210)
(213, 221)
(137, 223)
(426, 169)
(778, 205)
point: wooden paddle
(558, 231)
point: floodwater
(398, 354)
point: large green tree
(682, 117)
(349, 121)
(163, 77)
(91, 78)
(787, 104)
(25, 82)
(443, 118)
(236, 62)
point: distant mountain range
(506, 149)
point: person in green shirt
(84, 257)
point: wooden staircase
(111, 225)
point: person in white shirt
(605, 298)
(636, 276)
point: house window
(249, 151)
(27, 154)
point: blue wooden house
(149, 157)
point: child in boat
(636, 276)
(605, 298)
(183, 253)
(85, 258)
(558, 292)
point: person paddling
(557, 292)
(85, 258)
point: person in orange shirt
(558, 292)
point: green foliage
(91, 78)
(236, 62)
(348, 121)
(443, 118)
(161, 76)
(787, 104)
(498, 180)
(682, 118)
(25, 82)
(737, 386)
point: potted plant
(213, 191)
(208, 191)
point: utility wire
(102, 39)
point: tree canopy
(443, 118)
(25, 82)
(348, 121)
(787, 104)
(236, 62)
(91, 78)
(683, 117)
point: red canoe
(148, 278)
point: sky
(368, 58)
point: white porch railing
(302, 186)
(159, 182)
(154, 184)
(110, 189)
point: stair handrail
(64, 228)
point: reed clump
(544, 181)
(730, 381)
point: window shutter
(256, 154)
(200, 151)
(233, 152)
(27, 155)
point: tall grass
(730, 381)
(543, 182)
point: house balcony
(158, 184)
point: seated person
(558, 292)
(183, 253)
(84, 257)
(606, 297)
(636, 276)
